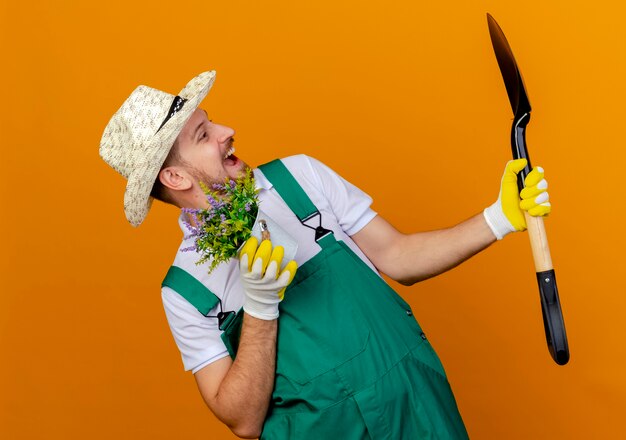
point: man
(346, 359)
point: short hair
(160, 191)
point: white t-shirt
(345, 210)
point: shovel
(553, 323)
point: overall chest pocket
(319, 327)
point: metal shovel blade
(508, 67)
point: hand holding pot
(264, 285)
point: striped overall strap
(297, 200)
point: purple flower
(233, 184)
(212, 201)
(191, 227)
(218, 186)
(222, 217)
(194, 234)
(189, 249)
(191, 211)
(197, 229)
(215, 204)
(247, 207)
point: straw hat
(141, 133)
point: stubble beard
(201, 176)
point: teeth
(230, 151)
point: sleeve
(351, 205)
(198, 338)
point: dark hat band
(177, 104)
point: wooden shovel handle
(538, 243)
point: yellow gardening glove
(263, 282)
(507, 213)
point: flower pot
(278, 236)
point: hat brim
(137, 200)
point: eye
(203, 135)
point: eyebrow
(195, 133)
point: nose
(225, 133)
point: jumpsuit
(352, 361)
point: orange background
(405, 100)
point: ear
(175, 178)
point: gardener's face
(208, 148)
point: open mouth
(229, 158)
